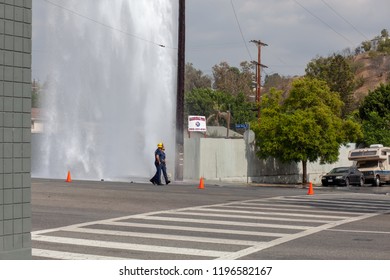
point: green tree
(232, 87)
(305, 127)
(366, 45)
(242, 110)
(374, 114)
(233, 80)
(38, 91)
(213, 103)
(195, 78)
(199, 101)
(384, 45)
(337, 72)
(385, 33)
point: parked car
(343, 176)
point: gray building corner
(15, 129)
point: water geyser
(111, 97)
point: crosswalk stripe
(275, 242)
(196, 213)
(166, 236)
(230, 223)
(129, 246)
(328, 209)
(273, 213)
(51, 254)
(321, 212)
(340, 203)
(196, 229)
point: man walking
(164, 166)
(156, 180)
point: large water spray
(112, 88)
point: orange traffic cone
(310, 191)
(68, 178)
(201, 183)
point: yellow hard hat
(160, 145)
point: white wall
(232, 160)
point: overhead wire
(239, 27)
(106, 25)
(324, 22)
(242, 34)
(343, 18)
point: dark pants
(157, 177)
(164, 171)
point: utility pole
(180, 95)
(258, 72)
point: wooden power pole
(180, 95)
(258, 73)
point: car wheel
(361, 182)
(377, 181)
(347, 182)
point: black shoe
(168, 182)
(152, 181)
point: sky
(296, 31)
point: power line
(343, 18)
(239, 27)
(325, 23)
(106, 25)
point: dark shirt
(160, 153)
(162, 157)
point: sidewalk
(243, 184)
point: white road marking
(167, 236)
(195, 229)
(193, 213)
(230, 223)
(129, 246)
(337, 203)
(294, 210)
(327, 222)
(260, 247)
(274, 213)
(59, 255)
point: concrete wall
(15, 129)
(234, 160)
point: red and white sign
(197, 123)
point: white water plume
(112, 88)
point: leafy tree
(37, 91)
(233, 80)
(384, 45)
(305, 127)
(338, 74)
(278, 82)
(385, 33)
(376, 129)
(195, 78)
(232, 88)
(211, 103)
(199, 102)
(242, 110)
(374, 113)
(366, 45)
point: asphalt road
(112, 220)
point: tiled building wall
(15, 133)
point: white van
(374, 162)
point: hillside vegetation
(372, 70)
